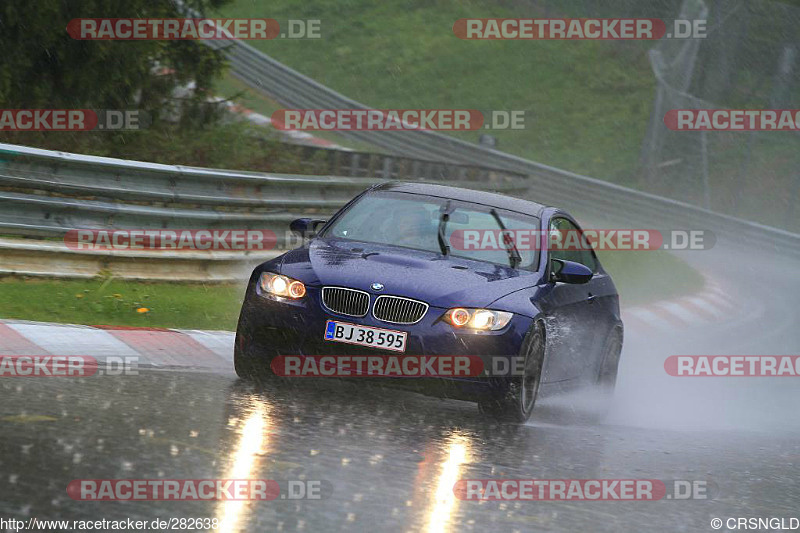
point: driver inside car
(412, 226)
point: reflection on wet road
(390, 457)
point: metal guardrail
(25, 257)
(352, 163)
(47, 193)
(547, 184)
(606, 201)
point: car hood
(441, 282)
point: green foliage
(43, 67)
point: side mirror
(305, 227)
(569, 272)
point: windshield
(470, 230)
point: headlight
(281, 285)
(477, 318)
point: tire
(248, 364)
(242, 362)
(606, 380)
(517, 404)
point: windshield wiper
(443, 246)
(513, 254)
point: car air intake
(399, 310)
(345, 301)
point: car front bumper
(272, 326)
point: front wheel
(248, 362)
(609, 363)
(517, 404)
(243, 362)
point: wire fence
(750, 59)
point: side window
(568, 233)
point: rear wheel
(517, 404)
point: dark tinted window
(569, 234)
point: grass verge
(640, 278)
(122, 303)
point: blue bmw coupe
(390, 273)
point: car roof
(490, 199)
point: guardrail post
(387, 167)
(415, 169)
(372, 166)
(336, 163)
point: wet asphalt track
(389, 458)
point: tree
(41, 66)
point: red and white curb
(172, 348)
(150, 347)
(295, 136)
(713, 305)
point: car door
(569, 311)
(603, 308)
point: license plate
(386, 339)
